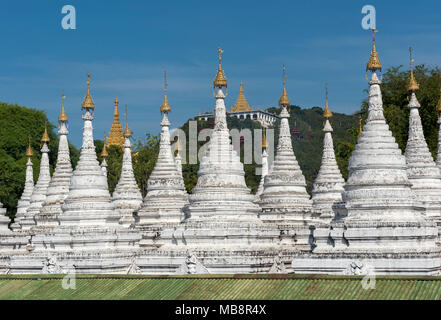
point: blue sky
(126, 46)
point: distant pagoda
(116, 135)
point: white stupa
(385, 231)
(23, 203)
(40, 190)
(88, 201)
(89, 236)
(328, 186)
(166, 194)
(221, 193)
(126, 196)
(60, 182)
(284, 196)
(422, 171)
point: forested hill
(17, 123)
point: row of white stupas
(386, 218)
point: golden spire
(412, 86)
(116, 110)
(284, 100)
(45, 138)
(241, 103)
(327, 112)
(29, 152)
(165, 107)
(264, 143)
(88, 101)
(127, 132)
(361, 128)
(438, 106)
(220, 80)
(63, 116)
(104, 153)
(116, 135)
(374, 63)
(178, 145)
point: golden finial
(104, 153)
(127, 132)
(438, 106)
(241, 103)
(45, 138)
(264, 143)
(116, 111)
(63, 116)
(374, 63)
(178, 145)
(88, 101)
(412, 86)
(165, 107)
(220, 80)
(29, 152)
(284, 100)
(361, 127)
(327, 112)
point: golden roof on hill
(241, 103)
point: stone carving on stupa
(88, 201)
(384, 225)
(116, 135)
(264, 165)
(126, 196)
(40, 190)
(284, 196)
(422, 171)
(166, 194)
(60, 182)
(25, 198)
(192, 265)
(328, 186)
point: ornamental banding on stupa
(385, 219)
